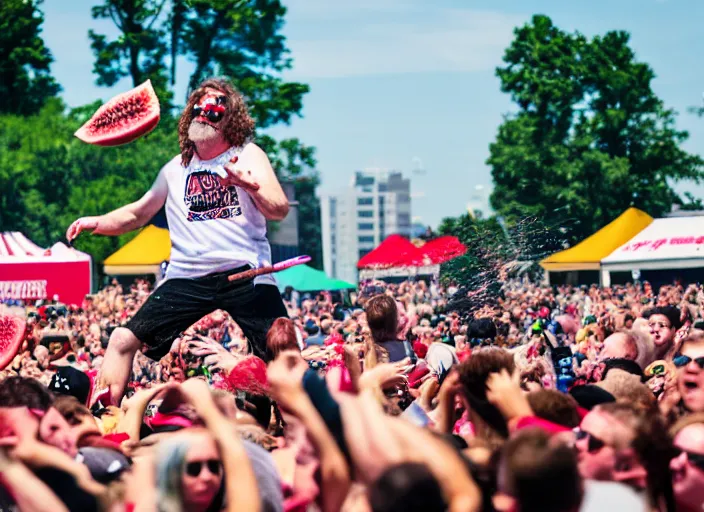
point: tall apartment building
(354, 221)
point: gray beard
(202, 133)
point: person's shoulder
(600, 496)
(253, 152)
(173, 165)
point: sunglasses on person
(594, 444)
(194, 469)
(682, 360)
(695, 459)
(213, 110)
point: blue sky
(409, 84)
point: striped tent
(29, 272)
(14, 244)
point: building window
(364, 252)
(365, 226)
(366, 214)
(365, 201)
(365, 239)
(404, 219)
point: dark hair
(473, 373)
(407, 487)
(482, 329)
(382, 318)
(625, 365)
(237, 125)
(541, 476)
(71, 409)
(25, 392)
(281, 336)
(556, 407)
(671, 312)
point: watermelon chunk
(12, 332)
(124, 118)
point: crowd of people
(544, 399)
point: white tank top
(213, 228)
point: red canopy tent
(396, 254)
(442, 249)
(28, 272)
(394, 251)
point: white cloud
(337, 38)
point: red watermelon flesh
(12, 331)
(123, 119)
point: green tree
(590, 137)
(25, 79)
(140, 50)
(496, 250)
(241, 39)
(236, 38)
(48, 178)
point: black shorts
(179, 303)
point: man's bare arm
(124, 219)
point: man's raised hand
(82, 224)
(240, 178)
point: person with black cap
(71, 381)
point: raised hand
(80, 225)
(285, 377)
(504, 392)
(240, 178)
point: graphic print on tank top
(207, 197)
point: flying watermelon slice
(12, 332)
(124, 118)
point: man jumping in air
(219, 193)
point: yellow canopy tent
(587, 254)
(144, 254)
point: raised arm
(241, 485)
(127, 218)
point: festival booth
(667, 249)
(581, 263)
(397, 257)
(30, 273)
(144, 254)
(303, 278)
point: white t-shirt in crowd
(213, 227)
(603, 496)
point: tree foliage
(495, 251)
(48, 178)
(25, 79)
(239, 39)
(590, 137)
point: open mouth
(690, 385)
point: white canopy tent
(669, 243)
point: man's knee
(124, 341)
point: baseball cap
(71, 381)
(105, 465)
